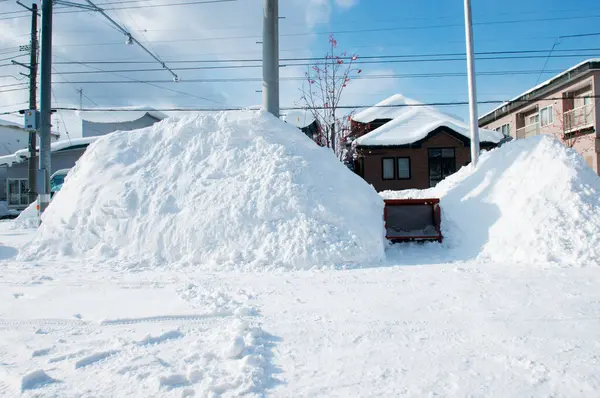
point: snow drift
(530, 201)
(239, 189)
(28, 218)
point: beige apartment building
(566, 106)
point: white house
(13, 137)
(14, 183)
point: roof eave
(521, 101)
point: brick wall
(419, 162)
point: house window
(533, 119)
(17, 192)
(546, 116)
(387, 165)
(583, 100)
(504, 129)
(442, 163)
(404, 168)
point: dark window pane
(13, 192)
(435, 153)
(388, 169)
(24, 185)
(403, 168)
(448, 153)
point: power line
(361, 106)
(132, 80)
(301, 78)
(13, 57)
(289, 108)
(127, 7)
(390, 56)
(74, 86)
(311, 64)
(13, 89)
(364, 30)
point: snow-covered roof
(299, 118)
(541, 85)
(23, 154)
(389, 108)
(415, 123)
(122, 115)
(6, 123)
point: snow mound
(237, 190)
(28, 218)
(529, 201)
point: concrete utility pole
(474, 119)
(32, 167)
(270, 83)
(45, 106)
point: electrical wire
(358, 106)
(60, 9)
(371, 30)
(301, 78)
(131, 80)
(389, 56)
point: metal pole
(32, 164)
(270, 83)
(472, 86)
(45, 105)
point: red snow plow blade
(412, 220)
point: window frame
(429, 157)
(536, 116)
(398, 168)
(550, 116)
(20, 193)
(383, 159)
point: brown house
(411, 146)
(565, 106)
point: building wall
(419, 162)
(92, 129)
(587, 146)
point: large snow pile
(240, 189)
(28, 218)
(530, 201)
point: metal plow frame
(436, 218)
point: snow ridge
(228, 190)
(529, 201)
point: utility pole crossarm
(20, 64)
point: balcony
(579, 118)
(528, 131)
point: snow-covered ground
(228, 255)
(414, 326)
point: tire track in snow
(200, 318)
(43, 322)
(166, 318)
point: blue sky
(231, 31)
(555, 19)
